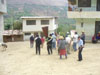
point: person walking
(49, 44)
(68, 40)
(80, 47)
(38, 43)
(75, 40)
(62, 47)
(31, 41)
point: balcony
(83, 14)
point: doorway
(97, 27)
(98, 5)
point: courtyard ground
(20, 59)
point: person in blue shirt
(80, 47)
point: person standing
(31, 41)
(42, 40)
(53, 41)
(83, 37)
(49, 44)
(68, 40)
(62, 47)
(38, 43)
(80, 47)
(75, 40)
(94, 40)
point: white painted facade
(52, 26)
(85, 19)
(3, 10)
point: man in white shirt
(75, 40)
(68, 40)
(80, 47)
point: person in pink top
(43, 40)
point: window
(31, 22)
(82, 24)
(44, 22)
(27, 33)
(84, 3)
(2, 1)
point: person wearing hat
(49, 44)
(31, 41)
(62, 47)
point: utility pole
(12, 24)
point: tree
(7, 27)
(17, 25)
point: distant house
(33, 25)
(3, 10)
(17, 35)
(87, 16)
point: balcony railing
(83, 14)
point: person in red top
(94, 39)
(42, 40)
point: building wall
(1, 27)
(92, 8)
(88, 27)
(38, 26)
(3, 8)
(2, 11)
(26, 37)
(8, 38)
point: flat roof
(37, 17)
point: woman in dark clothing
(31, 41)
(49, 44)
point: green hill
(15, 11)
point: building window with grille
(31, 22)
(82, 24)
(44, 22)
(84, 3)
(27, 34)
(2, 1)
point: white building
(87, 16)
(2, 11)
(33, 25)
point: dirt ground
(20, 59)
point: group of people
(39, 43)
(63, 44)
(95, 37)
